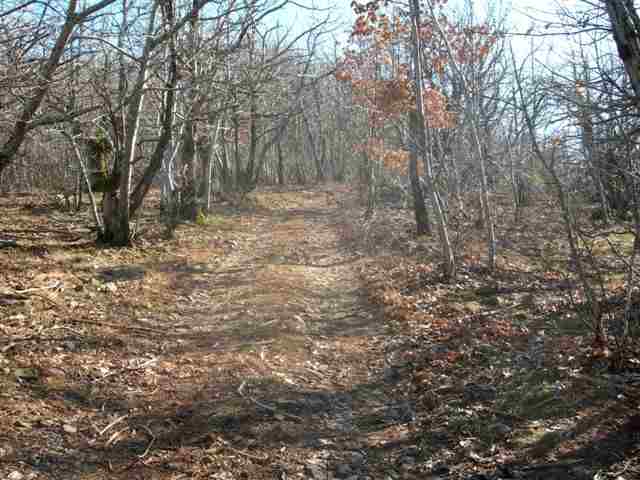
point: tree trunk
(209, 161)
(423, 224)
(250, 174)
(443, 230)
(188, 159)
(320, 138)
(589, 146)
(475, 131)
(224, 167)
(115, 231)
(116, 204)
(159, 154)
(371, 186)
(280, 164)
(312, 148)
(236, 151)
(485, 203)
(21, 127)
(592, 300)
(625, 24)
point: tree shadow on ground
(260, 422)
(475, 376)
(215, 386)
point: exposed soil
(288, 338)
(244, 348)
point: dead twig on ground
(491, 313)
(10, 297)
(125, 370)
(116, 435)
(116, 326)
(260, 458)
(151, 442)
(12, 342)
(111, 425)
(546, 466)
(53, 286)
(263, 405)
(86, 322)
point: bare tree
(443, 229)
(471, 89)
(49, 65)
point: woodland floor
(287, 338)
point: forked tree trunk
(115, 205)
(120, 206)
(117, 211)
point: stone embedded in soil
(582, 473)
(506, 471)
(392, 374)
(357, 459)
(402, 412)
(6, 450)
(69, 428)
(473, 307)
(8, 243)
(343, 470)
(407, 462)
(26, 373)
(480, 393)
(502, 429)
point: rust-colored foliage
(393, 158)
(383, 85)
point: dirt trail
(245, 347)
(241, 349)
(275, 367)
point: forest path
(252, 344)
(275, 359)
(293, 387)
(242, 348)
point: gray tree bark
(625, 24)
